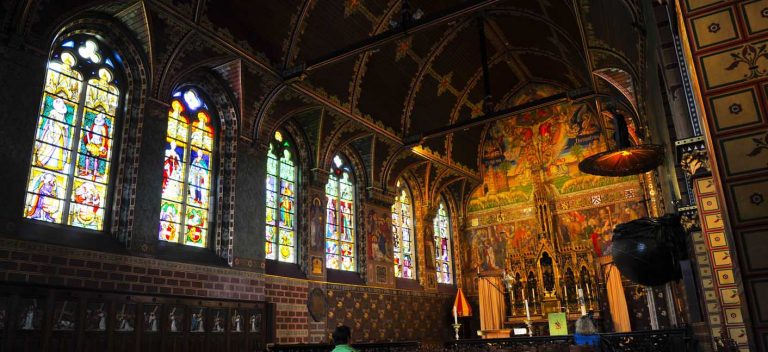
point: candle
(455, 316)
(527, 312)
(581, 302)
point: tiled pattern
(715, 264)
(727, 47)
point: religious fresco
(547, 143)
(378, 232)
(532, 160)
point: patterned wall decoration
(727, 51)
(389, 315)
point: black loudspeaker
(647, 251)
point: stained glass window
(402, 233)
(443, 245)
(187, 171)
(71, 158)
(281, 201)
(340, 217)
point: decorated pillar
(722, 47)
(426, 253)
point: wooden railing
(366, 347)
(673, 340)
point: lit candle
(527, 312)
(455, 316)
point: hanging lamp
(625, 159)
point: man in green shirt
(341, 339)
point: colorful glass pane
(281, 193)
(340, 234)
(401, 234)
(75, 126)
(442, 245)
(187, 174)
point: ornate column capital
(318, 177)
(692, 156)
(380, 197)
(689, 218)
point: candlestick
(527, 312)
(456, 328)
(455, 316)
(580, 292)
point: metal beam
(391, 35)
(573, 95)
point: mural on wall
(378, 232)
(547, 143)
(538, 152)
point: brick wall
(36, 263)
(374, 314)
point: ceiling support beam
(378, 40)
(569, 96)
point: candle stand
(456, 328)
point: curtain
(616, 298)
(491, 303)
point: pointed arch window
(187, 171)
(443, 261)
(281, 201)
(340, 219)
(69, 177)
(402, 233)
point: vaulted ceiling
(352, 74)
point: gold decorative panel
(722, 258)
(697, 4)
(715, 28)
(755, 249)
(725, 277)
(756, 16)
(737, 154)
(705, 185)
(730, 296)
(713, 221)
(735, 109)
(733, 316)
(717, 239)
(709, 203)
(743, 63)
(750, 200)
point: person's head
(584, 326)
(341, 335)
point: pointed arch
(340, 236)
(281, 178)
(403, 234)
(188, 170)
(70, 176)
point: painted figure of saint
(97, 145)
(172, 318)
(150, 320)
(28, 319)
(50, 153)
(171, 166)
(44, 204)
(237, 322)
(88, 204)
(197, 176)
(253, 323)
(286, 206)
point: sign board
(558, 324)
